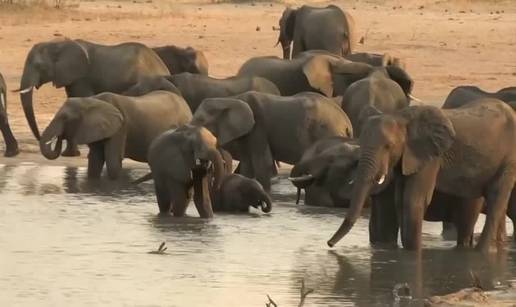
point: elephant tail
(144, 178)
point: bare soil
(444, 43)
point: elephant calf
(237, 193)
(11, 145)
(114, 127)
(180, 60)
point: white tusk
(51, 140)
(27, 90)
(415, 98)
(302, 178)
(351, 181)
(382, 179)
(197, 161)
(2, 100)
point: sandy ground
(444, 43)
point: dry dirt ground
(444, 43)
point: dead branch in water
(303, 293)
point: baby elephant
(237, 193)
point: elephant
(85, 69)
(468, 152)
(180, 160)
(11, 145)
(258, 128)
(237, 193)
(308, 28)
(461, 95)
(114, 127)
(373, 95)
(316, 72)
(180, 60)
(195, 88)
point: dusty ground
(445, 43)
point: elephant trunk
(218, 164)
(30, 79)
(367, 171)
(52, 133)
(266, 202)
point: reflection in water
(67, 240)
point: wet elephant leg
(11, 145)
(95, 160)
(180, 195)
(202, 199)
(511, 212)
(383, 222)
(466, 218)
(161, 188)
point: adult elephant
(179, 161)
(258, 128)
(316, 72)
(180, 60)
(462, 95)
(468, 152)
(195, 88)
(114, 127)
(308, 28)
(11, 145)
(85, 69)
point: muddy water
(65, 241)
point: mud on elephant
(114, 127)
(85, 69)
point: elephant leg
(11, 145)
(511, 212)
(95, 160)
(71, 150)
(114, 150)
(161, 188)
(466, 218)
(202, 199)
(383, 222)
(497, 199)
(180, 195)
(449, 232)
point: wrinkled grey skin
(237, 193)
(462, 95)
(469, 152)
(373, 95)
(180, 161)
(258, 128)
(11, 145)
(308, 28)
(114, 127)
(180, 60)
(316, 72)
(196, 88)
(85, 69)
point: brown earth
(444, 43)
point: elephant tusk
(52, 140)
(301, 178)
(2, 100)
(198, 162)
(27, 90)
(382, 179)
(351, 181)
(415, 98)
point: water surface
(67, 241)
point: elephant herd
(342, 118)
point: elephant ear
(99, 120)
(319, 71)
(227, 118)
(71, 61)
(286, 23)
(400, 76)
(429, 135)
